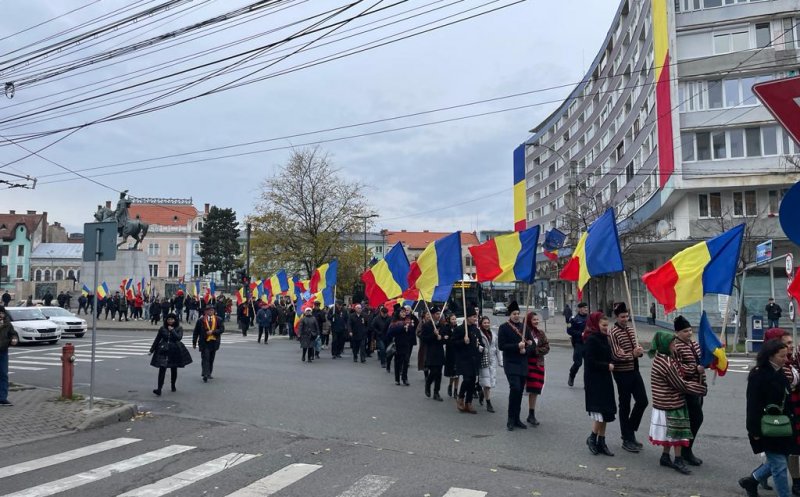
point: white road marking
(464, 492)
(24, 368)
(369, 486)
(77, 480)
(192, 475)
(69, 455)
(277, 481)
(35, 363)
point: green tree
(306, 215)
(219, 245)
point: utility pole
(365, 218)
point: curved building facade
(665, 128)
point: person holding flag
(688, 353)
(511, 341)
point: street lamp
(365, 218)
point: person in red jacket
(138, 303)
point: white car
(32, 326)
(68, 323)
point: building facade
(56, 262)
(665, 128)
(19, 235)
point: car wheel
(79, 335)
(53, 342)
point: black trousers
(338, 344)
(245, 325)
(467, 391)
(324, 338)
(577, 359)
(358, 347)
(434, 378)
(162, 373)
(401, 365)
(207, 356)
(516, 386)
(630, 385)
(694, 404)
(265, 331)
(310, 352)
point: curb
(122, 413)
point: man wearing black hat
(207, 333)
(515, 347)
(687, 352)
(466, 341)
(434, 353)
(380, 325)
(626, 352)
(575, 332)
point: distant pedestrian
(47, 298)
(450, 373)
(308, 330)
(339, 321)
(380, 326)
(138, 305)
(165, 308)
(575, 332)
(155, 311)
(431, 336)
(82, 304)
(535, 380)
(773, 311)
(123, 308)
(597, 381)
(169, 352)
(567, 313)
(6, 298)
(8, 338)
(264, 321)
(319, 314)
(405, 338)
(490, 360)
(243, 317)
(653, 313)
(207, 335)
(358, 333)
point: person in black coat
(404, 335)
(169, 352)
(207, 334)
(467, 342)
(308, 331)
(434, 342)
(380, 325)
(155, 311)
(598, 382)
(339, 321)
(358, 333)
(767, 385)
(511, 341)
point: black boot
(157, 391)
(750, 485)
(173, 388)
(689, 457)
(427, 389)
(591, 442)
(438, 397)
(450, 390)
(680, 466)
(510, 424)
(571, 380)
(665, 460)
(520, 424)
(631, 446)
(489, 406)
(480, 395)
(532, 417)
(795, 486)
(602, 448)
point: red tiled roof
(163, 215)
(418, 240)
(10, 222)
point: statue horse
(135, 229)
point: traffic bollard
(67, 369)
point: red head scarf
(774, 333)
(592, 324)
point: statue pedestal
(129, 264)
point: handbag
(485, 363)
(391, 349)
(774, 423)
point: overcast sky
(412, 175)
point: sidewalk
(37, 414)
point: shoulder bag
(774, 423)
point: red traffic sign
(782, 98)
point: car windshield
(57, 311)
(28, 314)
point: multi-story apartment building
(665, 128)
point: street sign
(106, 249)
(790, 206)
(782, 98)
(763, 252)
(789, 265)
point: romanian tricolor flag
(553, 241)
(142, 286)
(597, 253)
(664, 110)
(707, 267)
(240, 296)
(196, 289)
(85, 290)
(439, 265)
(507, 258)
(323, 281)
(520, 223)
(712, 353)
(102, 290)
(440, 293)
(279, 284)
(128, 292)
(388, 278)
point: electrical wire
(29, 28)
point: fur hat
(513, 306)
(471, 311)
(435, 309)
(620, 308)
(681, 323)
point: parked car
(32, 326)
(500, 308)
(68, 323)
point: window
(19, 271)
(775, 197)
(172, 270)
(3, 272)
(629, 173)
(744, 203)
(197, 249)
(763, 35)
(736, 142)
(3, 250)
(37, 276)
(613, 188)
(196, 272)
(59, 274)
(753, 140)
(715, 94)
(468, 261)
(703, 145)
(153, 249)
(722, 43)
(769, 140)
(153, 270)
(731, 87)
(174, 249)
(719, 146)
(47, 275)
(741, 41)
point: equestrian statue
(135, 229)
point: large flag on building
(707, 267)
(712, 353)
(439, 265)
(520, 202)
(323, 281)
(597, 252)
(507, 258)
(388, 278)
(102, 290)
(553, 241)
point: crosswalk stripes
(464, 492)
(69, 455)
(369, 486)
(192, 475)
(277, 481)
(80, 479)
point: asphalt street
(353, 421)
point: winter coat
(358, 326)
(773, 311)
(487, 377)
(201, 338)
(264, 317)
(404, 337)
(767, 386)
(308, 330)
(155, 309)
(6, 334)
(468, 357)
(339, 321)
(168, 350)
(514, 361)
(380, 326)
(599, 384)
(575, 328)
(434, 347)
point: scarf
(660, 343)
(592, 325)
(210, 325)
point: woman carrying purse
(169, 352)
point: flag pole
(525, 316)
(427, 309)
(630, 309)
(464, 303)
